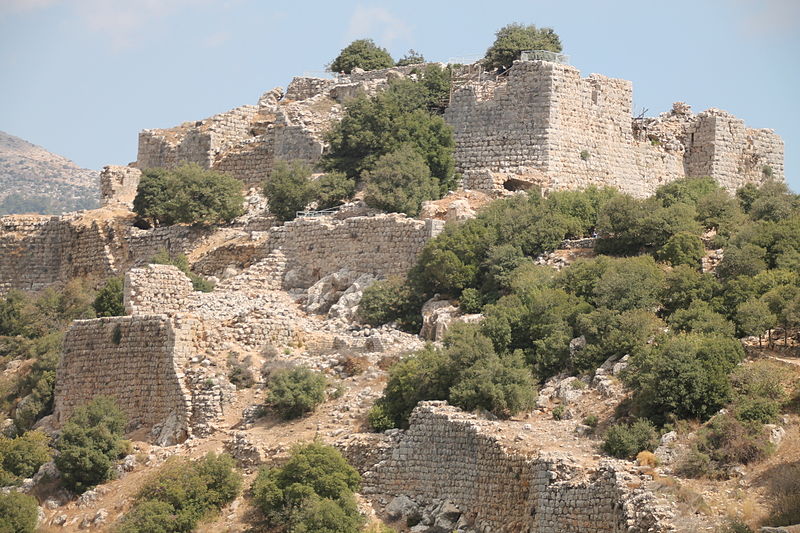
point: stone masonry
(118, 185)
(135, 359)
(382, 245)
(447, 454)
(546, 124)
(37, 251)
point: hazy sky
(82, 77)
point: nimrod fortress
(288, 293)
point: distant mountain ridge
(33, 180)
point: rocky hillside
(33, 180)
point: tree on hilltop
(514, 38)
(363, 54)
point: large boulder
(437, 315)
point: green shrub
(295, 392)
(373, 127)
(470, 301)
(363, 54)
(399, 182)
(182, 493)
(391, 300)
(90, 444)
(627, 440)
(699, 317)
(379, 419)
(591, 421)
(23, 455)
(289, 189)
(725, 442)
(683, 249)
(686, 376)
(18, 512)
(108, 301)
(762, 410)
(411, 58)
(514, 38)
(466, 371)
(558, 412)
(332, 189)
(188, 194)
(313, 491)
(736, 525)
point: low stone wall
(447, 454)
(134, 359)
(382, 245)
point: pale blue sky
(82, 77)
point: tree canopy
(363, 54)
(514, 38)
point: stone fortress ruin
(298, 283)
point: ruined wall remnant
(543, 121)
(155, 289)
(383, 245)
(37, 251)
(447, 454)
(118, 185)
(136, 360)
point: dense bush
(466, 371)
(91, 443)
(109, 299)
(403, 114)
(332, 189)
(412, 57)
(313, 491)
(399, 182)
(182, 493)
(363, 54)
(684, 376)
(188, 194)
(289, 189)
(470, 301)
(293, 392)
(514, 38)
(392, 299)
(22, 456)
(724, 443)
(627, 440)
(18, 512)
(682, 249)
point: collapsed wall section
(382, 245)
(447, 454)
(134, 359)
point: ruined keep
(544, 125)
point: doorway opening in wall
(514, 185)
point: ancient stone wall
(560, 131)
(447, 454)
(383, 245)
(37, 251)
(302, 87)
(196, 142)
(118, 185)
(136, 360)
(155, 289)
